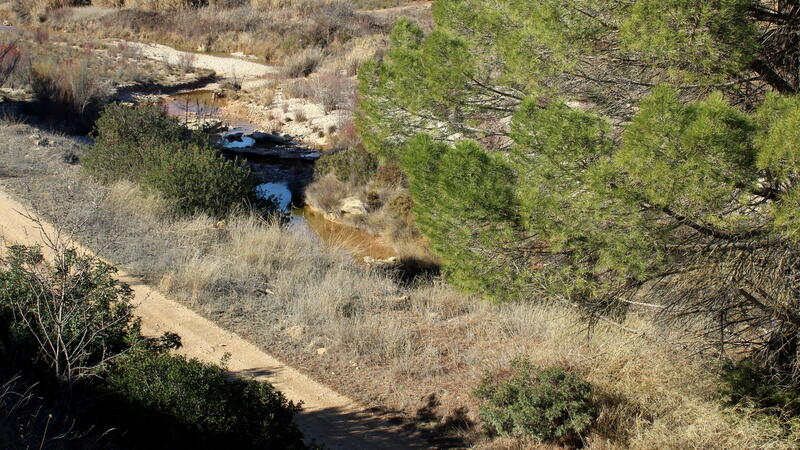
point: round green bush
(169, 401)
(355, 165)
(551, 404)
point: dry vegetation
(275, 31)
(417, 350)
(84, 64)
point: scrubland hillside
(595, 209)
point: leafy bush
(126, 140)
(70, 316)
(354, 166)
(145, 145)
(64, 320)
(196, 179)
(178, 402)
(547, 404)
(748, 382)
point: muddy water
(358, 241)
(203, 104)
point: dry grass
(333, 92)
(295, 33)
(326, 193)
(388, 344)
(303, 64)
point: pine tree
(590, 151)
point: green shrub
(747, 382)
(67, 317)
(126, 140)
(145, 145)
(63, 321)
(355, 165)
(197, 179)
(186, 403)
(547, 404)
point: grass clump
(551, 405)
(68, 89)
(303, 64)
(144, 145)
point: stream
(283, 167)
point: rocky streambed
(283, 165)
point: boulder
(207, 124)
(270, 138)
(237, 140)
(353, 206)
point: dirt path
(228, 66)
(328, 417)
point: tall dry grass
(387, 343)
(297, 33)
(649, 394)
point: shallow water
(279, 191)
(202, 102)
(284, 178)
(355, 240)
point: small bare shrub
(265, 97)
(298, 88)
(109, 3)
(300, 114)
(347, 137)
(390, 175)
(186, 62)
(37, 9)
(9, 58)
(164, 5)
(332, 92)
(304, 63)
(41, 35)
(325, 193)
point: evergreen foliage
(176, 402)
(584, 150)
(453, 189)
(68, 334)
(547, 404)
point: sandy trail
(328, 417)
(228, 66)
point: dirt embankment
(327, 417)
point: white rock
(352, 205)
